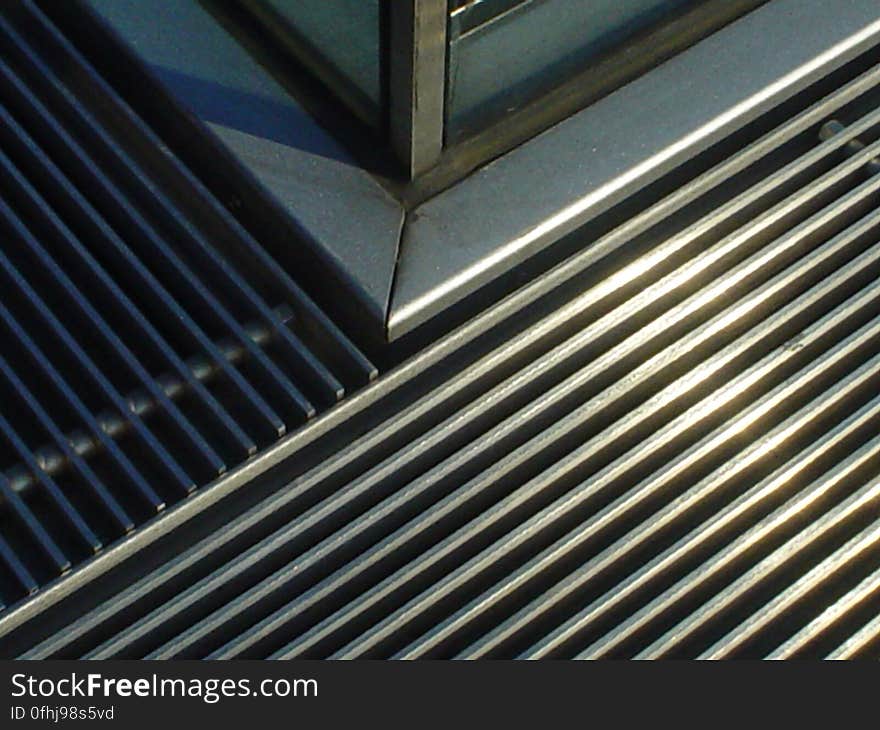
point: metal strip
(21, 573)
(165, 461)
(569, 502)
(69, 396)
(697, 538)
(448, 468)
(417, 81)
(829, 617)
(424, 360)
(233, 433)
(220, 223)
(116, 207)
(75, 521)
(91, 480)
(864, 499)
(32, 525)
(115, 344)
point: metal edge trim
(531, 197)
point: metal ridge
(594, 419)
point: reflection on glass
(339, 40)
(468, 14)
(505, 53)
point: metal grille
(667, 446)
(149, 341)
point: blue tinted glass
(339, 39)
(505, 53)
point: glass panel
(212, 74)
(505, 53)
(339, 40)
(469, 14)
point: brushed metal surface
(667, 449)
(531, 197)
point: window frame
(394, 267)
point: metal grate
(150, 342)
(665, 446)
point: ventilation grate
(667, 446)
(150, 343)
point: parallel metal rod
(863, 501)
(31, 200)
(162, 578)
(695, 539)
(170, 567)
(853, 147)
(309, 314)
(93, 483)
(119, 211)
(598, 481)
(165, 306)
(52, 460)
(363, 522)
(310, 368)
(859, 641)
(543, 439)
(833, 615)
(98, 323)
(484, 403)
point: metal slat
(54, 460)
(834, 614)
(618, 467)
(848, 553)
(424, 562)
(589, 256)
(788, 550)
(166, 306)
(470, 455)
(363, 524)
(116, 206)
(167, 463)
(39, 534)
(523, 297)
(320, 325)
(700, 536)
(672, 470)
(70, 514)
(137, 181)
(858, 642)
(511, 464)
(22, 574)
(77, 300)
(44, 365)
(90, 480)
(120, 263)
(235, 436)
